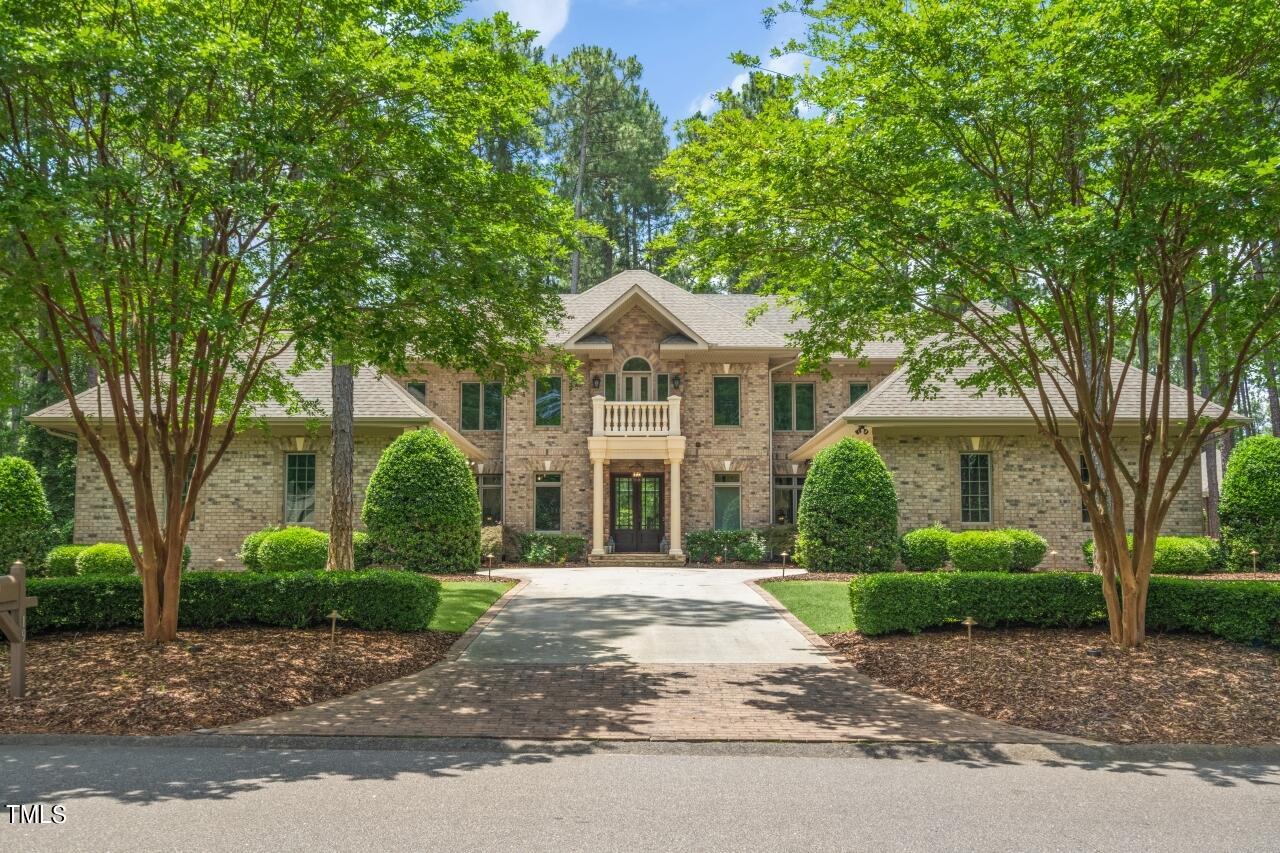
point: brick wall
(1030, 488)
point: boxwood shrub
(981, 551)
(362, 545)
(249, 548)
(925, 549)
(548, 548)
(422, 509)
(26, 522)
(1177, 555)
(848, 515)
(293, 549)
(105, 558)
(60, 562)
(1250, 505)
(703, 546)
(1240, 611)
(1029, 548)
(373, 600)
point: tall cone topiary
(26, 522)
(848, 515)
(1250, 505)
(422, 509)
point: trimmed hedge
(60, 562)
(1029, 548)
(925, 549)
(1176, 555)
(372, 600)
(1250, 505)
(249, 548)
(105, 558)
(547, 548)
(848, 515)
(422, 509)
(1240, 611)
(703, 546)
(26, 522)
(981, 551)
(362, 545)
(293, 549)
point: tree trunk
(1273, 394)
(341, 471)
(575, 263)
(1213, 526)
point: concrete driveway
(641, 616)
(640, 654)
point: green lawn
(463, 602)
(822, 605)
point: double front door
(637, 512)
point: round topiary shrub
(925, 549)
(249, 548)
(1029, 548)
(1250, 505)
(422, 509)
(105, 558)
(60, 562)
(981, 551)
(293, 549)
(848, 515)
(26, 521)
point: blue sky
(684, 45)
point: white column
(675, 535)
(597, 506)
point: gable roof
(891, 403)
(706, 320)
(377, 400)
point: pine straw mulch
(112, 682)
(800, 575)
(1177, 689)
(478, 576)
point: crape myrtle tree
(1073, 195)
(185, 185)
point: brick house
(685, 414)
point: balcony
(634, 418)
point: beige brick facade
(1030, 488)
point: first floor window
(728, 501)
(856, 390)
(490, 486)
(546, 502)
(547, 401)
(726, 401)
(793, 405)
(418, 390)
(481, 406)
(786, 499)
(299, 487)
(975, 488)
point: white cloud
(548, 17)
(788, 64)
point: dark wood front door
(637, 512)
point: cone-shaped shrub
(1250, 505)
(422, 509)
(25, 519)
(848, 516)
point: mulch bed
(479, 576)
(1176, 689)
(112, 682)
(847, 576)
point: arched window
(635, 365)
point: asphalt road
(397, 795)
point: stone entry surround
(641, 654)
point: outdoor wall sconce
(636, 475)
(595, 382)
(861, 430)
(675, 381)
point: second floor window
(299, 487)
(418, 390)
(857, 390)
(726, 400)
(481, 406)
(793, 405)
(975, 488)
(548, 402)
